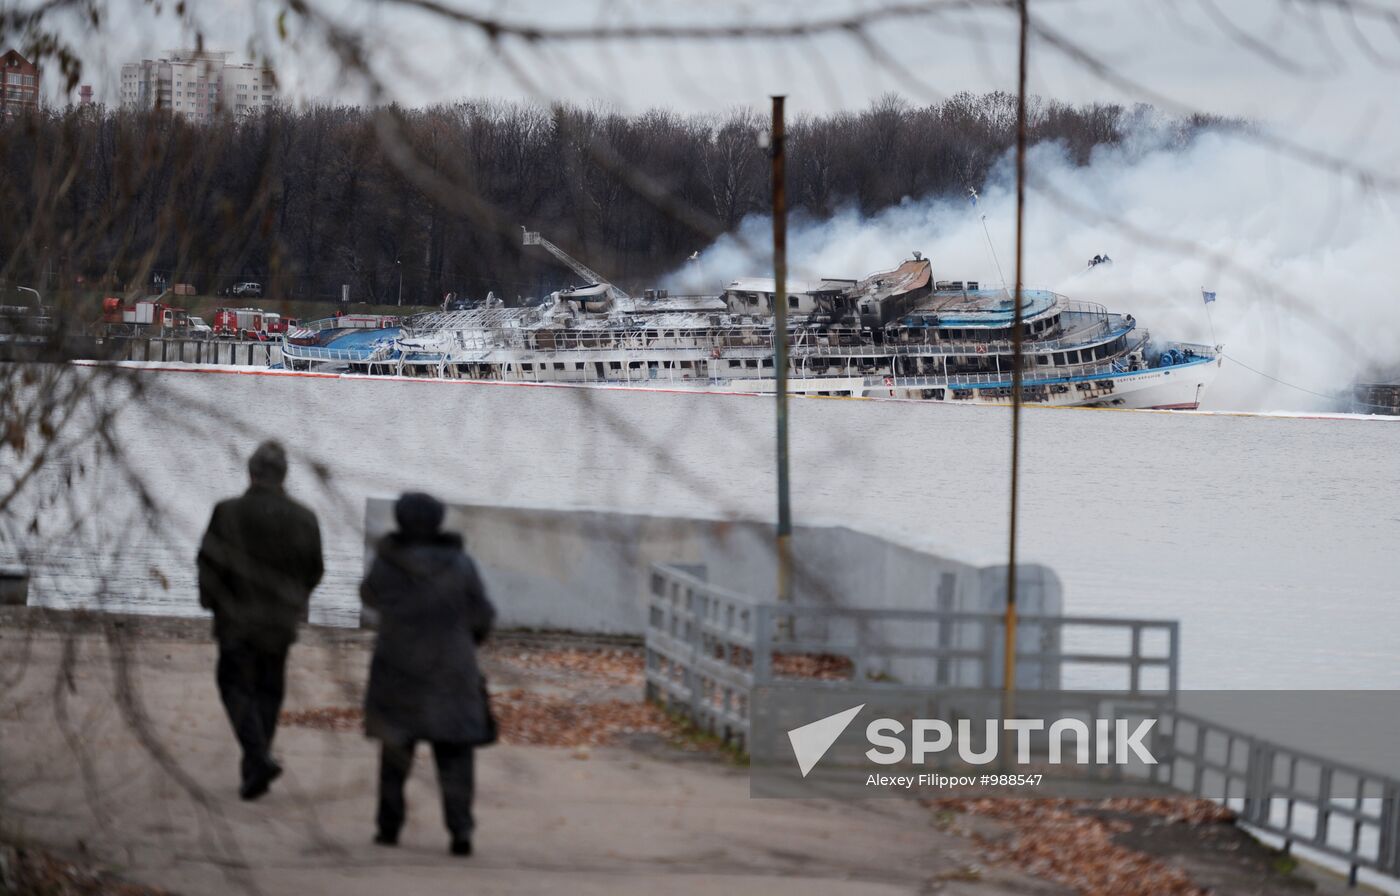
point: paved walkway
(143, 780)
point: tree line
(422, 202)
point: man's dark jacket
(258, 563)
(424, 682)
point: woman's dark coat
(424, 682)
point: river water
(1274, 539)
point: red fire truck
(149, 317)
(277, 324)
(239, 323)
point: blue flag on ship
(1208, 296)
(972, 196)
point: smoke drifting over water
(1305, 262)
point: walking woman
(424, 682)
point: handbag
(492, 732)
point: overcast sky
(1306, 66)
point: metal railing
(368, 354)
(1033, 376)
(1334, 808)
(742, 342)
(708, 648)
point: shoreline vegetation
(407, 205)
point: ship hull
(1175, 388)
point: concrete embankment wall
(588, 571)
(191, 351)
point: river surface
(1274, 539)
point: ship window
(751, 364)
(1045, 360)
(615, 365)
(1060, 359)
(792, 301)
(685, 365)
(635, 365)
(558, 366)
(526, 367)
(578, 366)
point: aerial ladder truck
(592, 277)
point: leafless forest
(308, 200)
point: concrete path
(123, 755)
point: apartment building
(248, 88)
(198, 85)
(19, 84)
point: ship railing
(325, 323)
(755, 344)
(473, 329)
(1079, 307)
(1196, 348)
(320, 353)
(350, 322)
(993, 347)
(1029, 377)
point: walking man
(258, 562)
(424, 682)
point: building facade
(198, 85)
(19, 84)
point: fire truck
(148, 317)
(276, 323)
(240, 323)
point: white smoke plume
(1305, 262)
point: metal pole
(399, 265)
(780, 352)
(1213, 341)
(1009, 623)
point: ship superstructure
(895, 334)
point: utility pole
(398, 263)
(780, 351)
(1009, 622)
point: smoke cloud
(1304, 261)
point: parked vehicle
(246, 289)
(239, 323)
(148, 317)
(199, 329)
(277, 324)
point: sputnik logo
(811, 741)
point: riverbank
(115, 754)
